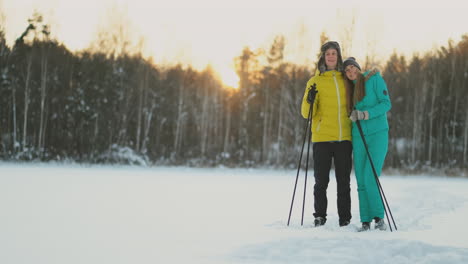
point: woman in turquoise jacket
(369, 103)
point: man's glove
(311, 94)
(358, 115)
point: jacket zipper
(339, 103)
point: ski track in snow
(78, 214)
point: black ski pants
(340, 153)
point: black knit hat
(330, 45)
(350, 61)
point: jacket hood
(371, 73)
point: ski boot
(319, 221)
(365, 227)
(380, 224)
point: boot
(319, 221)
(365, 227)
(344, 222)
(380, 224)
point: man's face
(331, 58)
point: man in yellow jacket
(331, 132)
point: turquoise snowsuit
(377, 103)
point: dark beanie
(351, 61)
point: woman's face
(331, 58)
(351, 72)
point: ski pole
(381, 192)
(307, 128)
(305, 181)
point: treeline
(108, 107)
(429, 118)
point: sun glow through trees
(229, 78)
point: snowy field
(54, 214)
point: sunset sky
(213, 32)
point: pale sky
(202, 32)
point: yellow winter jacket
(330, 120)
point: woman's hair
(354, 91)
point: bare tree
(142, 92)
(26, 100)
(275, 59)
(182, 115)
(44, 69)
(246, 68)
(435, 84)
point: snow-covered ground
(75, 214)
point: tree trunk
(142, 85)
(280, 126)
(435, 84)
(13, 98)
(180, 116)
(266, 119)
(124, 112)
(26, 101)
(453, 94)
(44, 63)
(148, 114)
(228, 128)
(204, 125)
(149, 118)
(416, 122)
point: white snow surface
(69, 214)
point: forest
(113, 106)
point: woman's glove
(358, 115)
